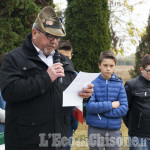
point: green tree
(142, 49)
(122, 27)
(16, 19)
(87, 28)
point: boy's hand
(115, 104)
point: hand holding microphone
(57, 60)
(56, 71)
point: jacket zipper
(139, 120)
(107, 97)
(107, 100)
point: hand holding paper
(78, 89)
(87, 92)
(71, 94)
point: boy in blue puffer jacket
(107, 105)
(2, 114)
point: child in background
(2, 114)
(65, 48)
(106, 107)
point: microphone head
(57, 57)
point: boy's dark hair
(1, 58)
(65, 45)
(107, 55)
(146, 61)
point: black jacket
(138, 117)
(34, 103)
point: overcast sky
(139, 17)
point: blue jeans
(70, 135)
(138, 143)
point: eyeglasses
(49, 36)
(148, 71)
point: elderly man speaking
(35, 118)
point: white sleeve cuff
(2, 115)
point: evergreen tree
(87, 29)
(142, 49)
(16, 19)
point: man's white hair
(35, 26)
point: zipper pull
(145, 93)
(106, 81)
(99, 116)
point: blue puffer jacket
(2, 105)
(99, 108)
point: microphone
(57, 60)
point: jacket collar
(145, 81)
(28, 46)
(114, 77)
(30, 50)
(32, 53)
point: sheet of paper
(70, 95)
